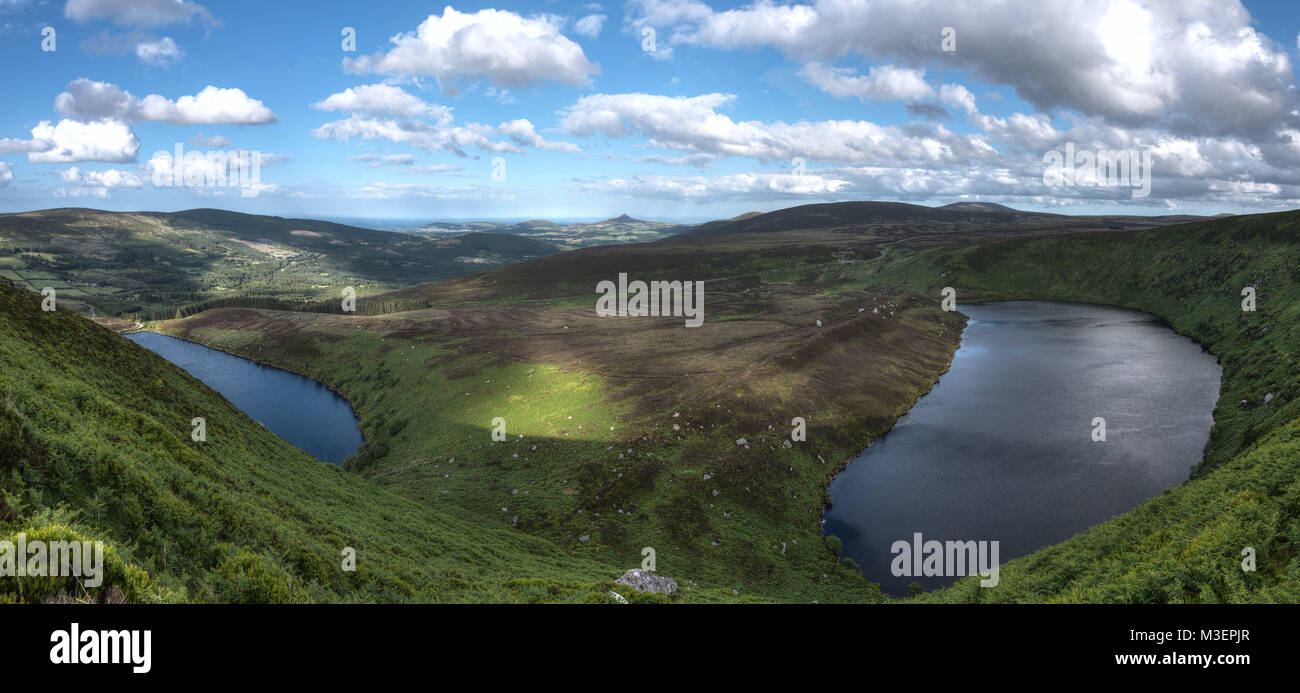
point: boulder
(646, 581)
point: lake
(298, 409)
(1002, 449)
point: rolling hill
(149, 264)
(850, 216)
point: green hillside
(95, 443)
(147, 265)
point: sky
(672, 110)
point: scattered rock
(742, 441)
(618, 597)
(646, 581)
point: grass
(95, 442)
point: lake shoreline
(924, 460)
(333, 390)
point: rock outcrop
(646, 581)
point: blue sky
(738, 107)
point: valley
(626, 433)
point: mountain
(978, 207)
(850, 215)
(149, 264)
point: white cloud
(110, 179)
(501, 47)
(589, 25)
(211, 106)
(6, 174)
(441, 136)
(882, 83)
(421, 125)
(382, 99)
(12, 146)
(692, 124)
(522, 132)
(75, 141)
(85, 99)
(1199, 66)
(135, 12)
(701, 188)
(161, 53)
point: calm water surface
(1002, 449)
(298, 409)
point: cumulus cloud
(110, 179)
(6, 174)
(382, 99)
(85, 99)
(504, 48)
(701, 188)
(693, 124)
(136, 12)
(422, 125)
(161, 53)
(75, 141)
(882, 83)
(521, 131)
(441, 136)
(589, 25)
(1201, 68)
(13, 146)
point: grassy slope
(153, 263)
(1185, 545)
(95, 442)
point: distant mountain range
(849, 214)
(152, 263)
(621, 229)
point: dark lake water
(1002, 448)
(298, 409)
